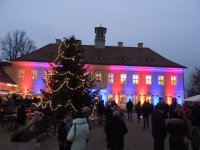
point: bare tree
(194, 82)
(16, 44)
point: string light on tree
(70, 81)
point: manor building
(121, 73)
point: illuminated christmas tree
(69, 80)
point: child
(63, 131)
(195, 138)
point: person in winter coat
(21, 115)
(159, 130)
(33, 125)
(138, 109)
(117, 130)
(100, 111)
(79, 132)
(63, 131)
(146, 110)
(195, 138)
(177, 130)
(108, 116)
(129, 108)
(195, 117)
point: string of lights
(67, 76)
(44, 105)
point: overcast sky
(170, 27)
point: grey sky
(170, 27)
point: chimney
(140, 45)
(100, 37)
(58, 41)
(120, 44)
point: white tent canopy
(193, 99)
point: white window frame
(123, 78)
(110, 78)
(161, 80)
(110, 97)
(148, 98)
(148, 79)
(135, 99)
(21, 73)
(173, 80)
(135, 79)
(34, 74)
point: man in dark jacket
(138, 109)
(146, 110)
(63, 131)
(159, 130)
(129, 108)
(21, 115)
(117, 130)
(100, 111)
(178, 131)
(108, 116)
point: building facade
(121, 73)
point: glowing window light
(21, 74)
(148, 80)
(173, 80)
(123, 78)
(135, 79)
(98, 77)
(148, 99)
(161, 80)
(46, 75)
(135, 99)
(110, 78)
(123, 100)
(34, 74)
(110, 97)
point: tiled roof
(4, 78)
(110, 55)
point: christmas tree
(69, 82)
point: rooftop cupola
(100, 37)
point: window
(135, 79)
(135, 99)
(21, 74)
(110, 78)
(148, 80)
(123, 78)
(148, 99)
(160, 80)
(98, 77)
(173, 80)
(122, 100)
(46, 74)
(110, 97)
(34, 74)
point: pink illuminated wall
(142, 90)
(27, 84)
(116, 89)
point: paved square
(136, 139)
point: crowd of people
(180, 123)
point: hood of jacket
(80, 121)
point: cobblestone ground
(136, 139)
